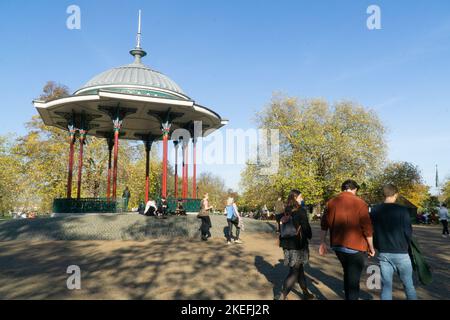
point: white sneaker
(238, 241)
(228, 242)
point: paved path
(186, 269)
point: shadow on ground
(164, 267)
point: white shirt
(150, 203)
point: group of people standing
(355, 235)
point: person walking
(204, 216)
(233, 219)
(126, 195)
(294, 235)
(443, 217)
(392, 238)
(351, 235)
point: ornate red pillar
(110, 141)
(117, 114)
(184, 190)
(194, 169)
(175, 143)
(80, 161)
(117, 126)
(72, 132)
(166, 131)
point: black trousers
(353, 265)
(445, 225)
(205, 226)
(296, 275)
(230, 229)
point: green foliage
(446, 192)
(320, 147)
(430, 205)
(215, 187)
(406, 177)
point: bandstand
(132, 102)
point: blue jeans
(401, 264)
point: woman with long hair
(204, 216)
(295, 233)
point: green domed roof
(135, 78)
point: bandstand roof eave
(45, 109)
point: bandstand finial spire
(138, 39)
(137, 52)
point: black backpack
(287, 227)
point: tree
(9, 177)
(53, 90)
(320, 147)
(38, 155)
(406, 177)
(134, 174)
(215, 187)
(35, 166)
(446, 192)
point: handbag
(203, 212)
(234, 218)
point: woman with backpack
(233, 219)
(295, 233)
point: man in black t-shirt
(392, 238)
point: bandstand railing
(88, 205)
(105, 205)
(190, 205)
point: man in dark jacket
(392, 238)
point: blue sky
(232, 55)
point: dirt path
(182, 269)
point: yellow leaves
(446, 192)
(324, 145)
(34, 167)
